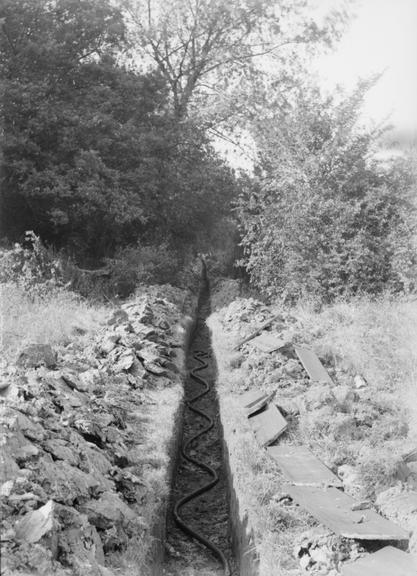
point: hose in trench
(200, 356)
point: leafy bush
(31, 267)
(321, 217)
(154, 264)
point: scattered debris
(268, 425)
(255, 400)
(312, 365)
(333, 508)
(301, 467)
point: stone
(118, 317)
(5, 382)
(400, 506)
(319, 551)
(360, 382)
(30, 429)
(37, 355)
(108, 511)
(67, 484)
(35, 525)
(8, 466)
(61, 450)
(6, 488)
(74, 381)
(128, 484)
(124, 362)
(109, 343)
(351, 480)
(91, 378)
(344, 395)
(292, 368)
(79, 540)
(90, 428)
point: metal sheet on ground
(388, 561)
(333, 508)
(267, 342)
(302, 468)
(313, 365)
(254, 400)
(268, 425)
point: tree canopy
(199, 46)
(92, 157)
(321, 216)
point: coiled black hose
(200, 357)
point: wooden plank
(255, 400)
(312, 365)
(268, 425)
(388, 561)
(302, 468)
(410, 456)
(333, 508)
(267, 342)
(256, 332)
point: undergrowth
(36, 306)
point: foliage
(93, 159)
(31, 267)
(320, 216)
(202, 46)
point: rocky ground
(86, 436)
(359, 431)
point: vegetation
(36, 306)
(322, 217)
(359, 430)
(109, 110)
(92, 158)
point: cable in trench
(199, 356)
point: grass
(369, 431)
(377, 339)
(56, 317)
(158, 449)
(257, 481)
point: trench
(207, 514)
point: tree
(93, 159)
(321, 216)
(200, 45)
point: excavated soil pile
(75, 442)
(208, 514)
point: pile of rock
(73, 424)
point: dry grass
(54, 318)
(375, 339)
(257, 480)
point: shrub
(321, 217)
(31, 266)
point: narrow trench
(208, 514)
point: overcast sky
(382, 37)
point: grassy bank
(359, 427)
(51, 317)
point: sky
(382, 38)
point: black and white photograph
(208, 287)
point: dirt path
(209, 513)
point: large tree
(92, 156)
(200, 46)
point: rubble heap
(75, 454)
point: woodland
(113, 116)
